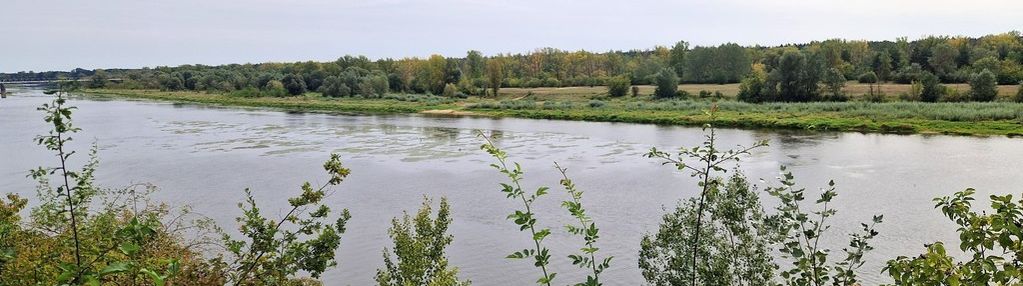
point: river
(205, 156)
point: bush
(618, 86)
(876, 96)
(953, 95)
(419, 245)
(667, 83)
(991, 241)
(931, 90)
(1019, 94)
(596, 103)
(449, 90)
(868, 77)
(294, 84)
(983, 86)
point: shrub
(875, 96)
(991, 241)
(419, 245)
(294, 84)
(1019, 94)
(449, 90)
(931, 90)
(667, 83)
(953, 95)
(983, 86)
(676, 255)
(868, 77)
(594, 103)
(618, 86)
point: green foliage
(333, 87)
(726, 63)
(667, 83)
(524, 218)
(795, 78)
(931, 90)
(419, 250)
(271, 253)
(802, 231)
(983, 86)
(753, 89)
(673, 256)
(586, 229)
(834, 81)
(294, 84)
(594, 103)
(80, 234)
(868, 77)
(449, 90)
(618, 86)
(992, 241)
(735, 245)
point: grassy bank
(311, 101)
(991, 118)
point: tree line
(780, 73)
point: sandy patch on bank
(448, 112)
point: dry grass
(583, 93)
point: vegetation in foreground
(961, 118)
(81, 234)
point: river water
(205, 156)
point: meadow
(593, 104)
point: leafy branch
(586, 229)
(523, 218)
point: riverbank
(976, 119)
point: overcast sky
(61, 35)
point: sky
(43, 35)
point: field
(852, 88)
(592, 104)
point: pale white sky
(60, 35)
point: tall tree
(495, 74)
(678, 57)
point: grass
(592, 104)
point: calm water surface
(205, 156)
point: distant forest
(949, 59)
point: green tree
(983, 86)
(796, 77)
(883, 66)
(868, 77)
(834, 81)
(272, 253)
(618, 86)
(333, 87)
(294, 84)
(736, 240)
(667, 83)
(752, 89)
(943, 60)
(99, 79)
(419, 245)
(495, 75)
(678, 57)
(932, 88)
(669, 259)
